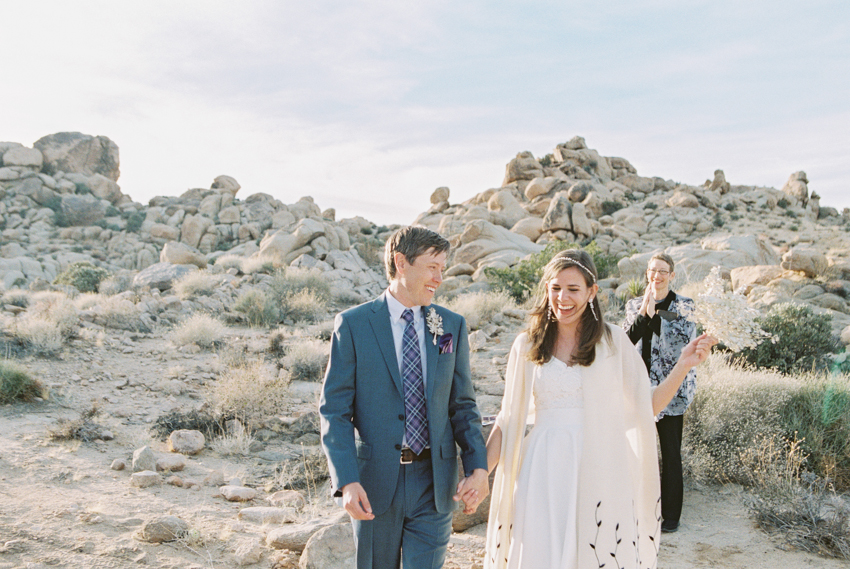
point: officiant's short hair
(412, 241)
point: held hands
(472, 490)
(356, 503)
(697, 350)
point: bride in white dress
(581, 490)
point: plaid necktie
(416, 425)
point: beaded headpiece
(574, 262)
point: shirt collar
(396, 308)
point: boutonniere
(435, 324)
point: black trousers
(672, 486)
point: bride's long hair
(543, 332)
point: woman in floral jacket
(657, 325)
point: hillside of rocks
(126, 460)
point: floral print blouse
(666, 349)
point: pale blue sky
(369, 106)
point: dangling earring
(593, 311)
(549, 316)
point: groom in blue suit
(397, 401)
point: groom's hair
(412, 241)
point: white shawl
(619, 497)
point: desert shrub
(134, 222)
(802, 340)
(732, 411)
(55, 307)
(194, 284)
(634, 289)
(41, 335)
(116, 284)
(121, 314)
(783, 203)
(521, 280)
(226, 262)
(82, 275)
(258, 307)
(277, 338)
(233, 444)
(650, 205)
(211, 425)
(718, 220)
(736, 408)
(610, 206)
(83, 428)
(306, 472)
(253, 265)
(479, 308)
(787, 498)
(16, 384)
(302, 295)
(200, 329)
(306, 360)
(818, 412)
(16, 297)
(251, 391)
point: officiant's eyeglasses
(661, 272)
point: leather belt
(408, 456)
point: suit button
(401, 417)
(398, 447)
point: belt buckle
(408, 452)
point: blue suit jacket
(362, 406)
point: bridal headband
(574, 262)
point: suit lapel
(431, 350)
(380, 321)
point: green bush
(802, 340)
(83, 276)
(134, 222)
(521, 280)
(610, 206)
(258, 307)
(17, 385)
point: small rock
(164, 529)
(143, 459)
(267, 515)
(145, 479)
(330, 547)
(287, 498)
(215, 478)
(171, 462)
(248, 553)
(238, 493)
(174, 480)
(186, 441)
(118, 464)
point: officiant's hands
(472, 490)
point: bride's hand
(697, 350)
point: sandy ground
(62, 505)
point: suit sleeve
(463, 410)
(336, 408)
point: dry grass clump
(479, 308)
(306, 360)
(253, 265)
(277, 338)
(303, 295)
(802, 506)
(233, 444)
(83, 428)
(251, 391)
(16, 297)
(229, 261)
(194, 284)
(117, 312)
(39, 334)
(16, 384)
(305, 306)
(56, 307)
(733, 409)
(200, 329)
(303, 473)
(116, 284)
(258, 307)
(202, 420)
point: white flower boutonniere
(435, 324)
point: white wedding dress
(544, 533)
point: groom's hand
(356, 503)
(472, 490)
